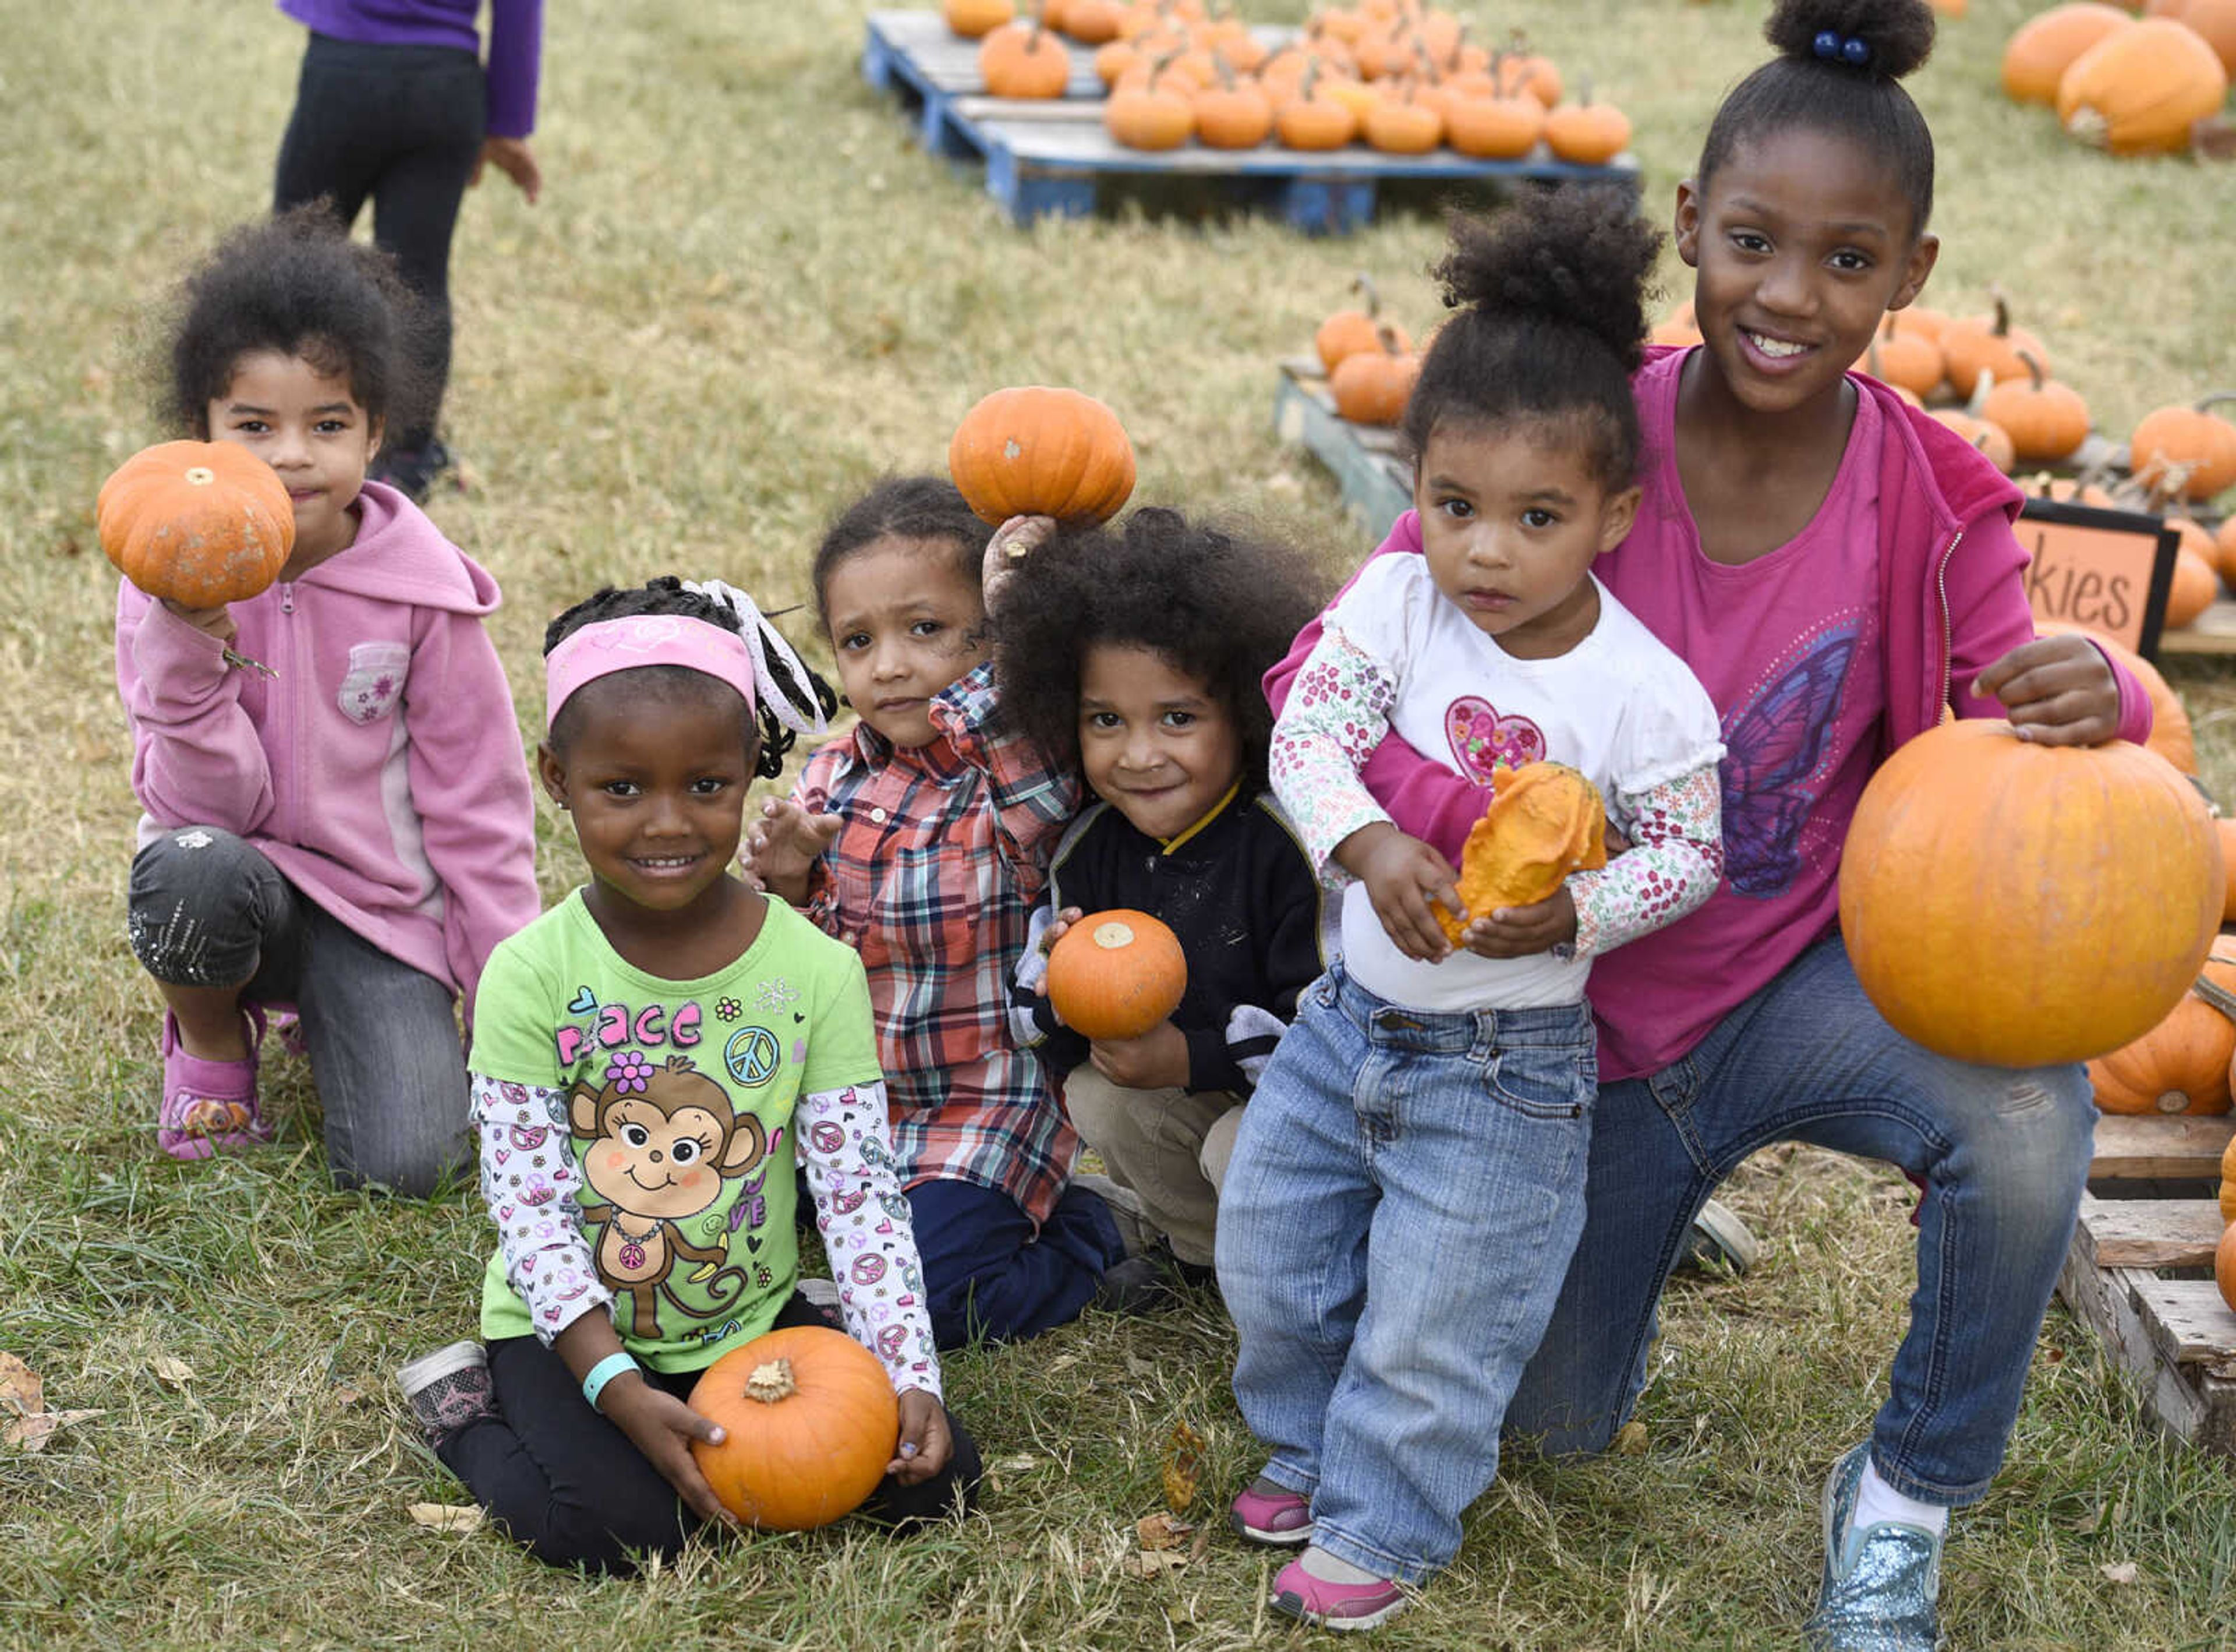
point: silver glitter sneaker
(1881, 1585)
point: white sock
(1317, 1562)
(1876, 1503)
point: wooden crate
(2138, 1274)
(1376, 485)
(1051, 156)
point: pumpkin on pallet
(1587, 134)
(2018, 905)
(2192, 449)
(2180, 1065)
(974, 19)
(1372, 386)
(1348, 331)
(1024, 61)
(1971, 346)
(2047, 421)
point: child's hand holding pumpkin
(210, 622)
(925, 1444)
(1013, 542)
(2056, 690)
(1156, 1060)
(1524, 931)
(1403, 878)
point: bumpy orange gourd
(1372, 386)
(1034, 450)
(2047, 420)
(811, 1423)
(197, 524)
(2171, 736)
(2017, 904)
(2180, 1065)
(2194, 444)
(2139, 91)
(1544, 821)
(2047, 45)
(1024, 60)
(1116, 974)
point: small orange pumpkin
(1993, 440)
(1973, 344)
(1315, 119)
(2180, 1065)
(1494, 128)
(2195, 584)
(1024, 60)
(2227, 1198)
(1092, 23)
(1348, 331)
(197, 524)
(974, 19)
(2018, 905)
(2047, 420)
(1905, 356)
(1585, 132)
(2138, 91)
(1544, 821)
(1403, 125)
(1234, 114)
(2194, 444)
(811, 1422)
(1150, 117)
(1372, 386)
(1036, 450)
(2048, 44)
(1116, 974)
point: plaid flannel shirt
(932, 879)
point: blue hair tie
(1842, 49)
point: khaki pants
(1169, 1146)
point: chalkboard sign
(2108, 570)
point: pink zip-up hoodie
(379, 767)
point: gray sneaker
(1881, 1585)
(448, 1389)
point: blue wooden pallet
(1049, 156)
(1376, 484)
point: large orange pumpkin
(2017, 904)
(2139, 91)
(1544, 821)
(2171, 736)
(2045, 418)
(1116, 974)
(812, 1422)
(2180, 1065)
(2047, 45)
(2214, 21)
(1031, 451)
(197, 524)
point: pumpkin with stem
(1234, 114)
(2016, 904)
(1312, 119)
(2139, 91)
(1496, 128)
(1372, 386)
(1904, 357)
(1971, 346)
(1585, 132)
(197, 524)
(1544, 821)
(1993, 440)
(1403, 125)
(1150, 117)
(811, 1422)
(1041, 451)
(2046, 420)
(2180, 1065)
(2048, 44)
(2194, 439)
(1024, 60)
(1116, 974)
(1348, 331)
(2195, 584)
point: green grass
(745, 294)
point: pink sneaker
(286, 1026)
(1278, 1519)
(1325, 1605)
(209, 1104)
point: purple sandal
(209, 1104)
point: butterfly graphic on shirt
(1775, 760)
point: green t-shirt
(674, 1101)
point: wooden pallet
(1052, 156)
(2138, 1274)
(1376, 485)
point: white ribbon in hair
(761, 636)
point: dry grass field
(744, 295)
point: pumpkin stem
(2002, 328)
(2033, 367)
(771, 1382)
(1363, 284)
(2216, 995)
(1384, 336)
(2213, 398)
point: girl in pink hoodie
(348, 826)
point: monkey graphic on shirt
(660, 1144)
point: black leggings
(563, 1479)
(403, 125)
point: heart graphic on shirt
(885, 1227)
(585, 1001)
(503, 1154)
(504, 1213)
(907, 1302)
(1483, 740)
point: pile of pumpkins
(1371, 363)
(2128, 85)
(1398, 75)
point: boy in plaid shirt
(922, 839)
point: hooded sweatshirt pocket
(375, 681)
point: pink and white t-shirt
(1396, 654)
(1801, 733)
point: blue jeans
(1392, 1231)
(990, 1274)
(2004, 1155)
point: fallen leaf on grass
(33, 1432)
(1161, 1530)
(1183, 1467)
(2125, 1571)
(2087, 1525)
(1156, 1562)
(445, 1516)
(171, 1371)
(1630, 1440)
(21, 1390)
(346, 1396)
(23, 1401)
(1014, 1464)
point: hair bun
(1897, 35)
(1579, 256)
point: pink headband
(600, 649)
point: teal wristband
(604, 1372)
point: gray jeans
(207, 910)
